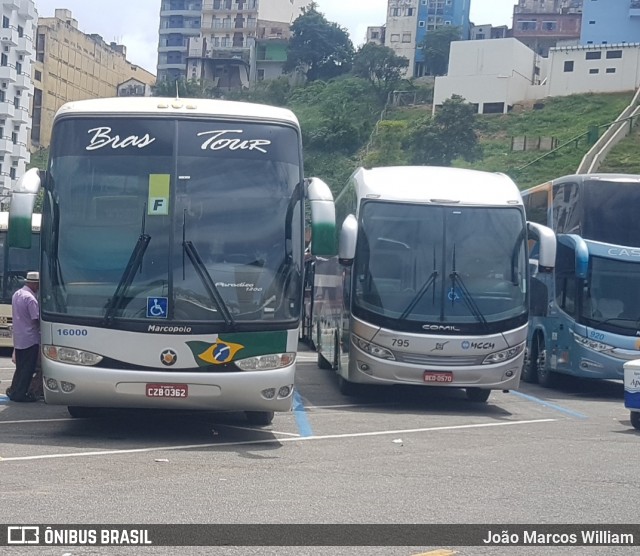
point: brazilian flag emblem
(214, 354)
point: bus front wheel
(635, 420)
(478, 394)
(347, 388)
(544, 375)
(259, 418)
(529, 370)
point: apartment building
(16, 89)
(544, 24)
(71, 65)
(231, 43)
(613, 21)
(409, 21)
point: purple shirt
(26, 318)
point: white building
(19, 18)
(496, 74)
(601, 68)
(493, 74)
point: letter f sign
(158, 200)
(158, 206)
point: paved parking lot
(400, 455)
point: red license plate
(437, 377)
(167, 390)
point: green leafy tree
(318, 48)
(381, 66)
(339, 116)
(388, 148)
(450, 134)
(436, 47)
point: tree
(337, 116)
(436, 47)
(381, 66)
(450, 134)
(318, 48)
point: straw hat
(33, 277)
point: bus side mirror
(547, 243)
(348, 239)
(323, 218)
(21, 206)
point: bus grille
(439, 360)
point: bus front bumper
(365, 369)
(75, 385)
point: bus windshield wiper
(127, 278)
(207, 282)
(425, 287)
(466, 294)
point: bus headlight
(70, 355)
(504, 355)
(592, 344)
(266, 362)
(372, 349)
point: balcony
(221, 6)
(23, 81)
(19, 151)
(7, 110)
(25, 46)
(9, 36)
(11, 4)
(182, 28)
(181, 66)
(8, 73)
(28, 11)
(21, 115)
(6, 146)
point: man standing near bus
(26, 337)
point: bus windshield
(202, 225)
(610, 296)
(420, 265)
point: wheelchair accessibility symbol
(157, 307)
(453, 295)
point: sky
(135, 23)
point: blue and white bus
(585, 312)
(172, 254)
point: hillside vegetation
(344, 126)
(567, 119)
(574, 122)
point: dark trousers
(26, 362)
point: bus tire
(323, 363)
(480, 395)
(545, 376)
(347, 388)
(529, 373)
(79, 412)
(259, 418)
(635, 420)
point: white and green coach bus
(172, 254)
(431, 284)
